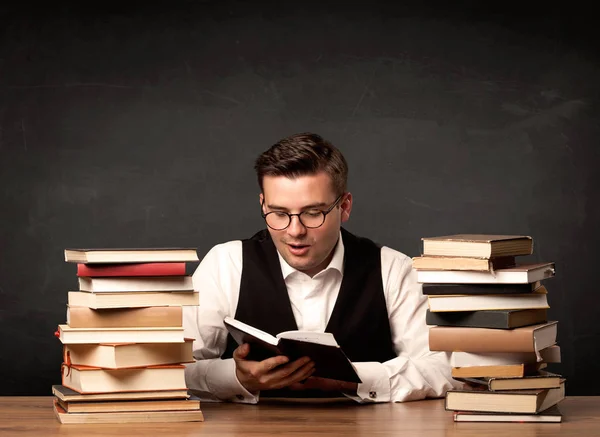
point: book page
(325, 338)
(240, 330)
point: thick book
(163, 316)
(134, 299)
(431, 289)
(329, 358)
(127, 417)
(478, 245)
(67, 395)
(516, 401)
(541, 379)
(488, 302)
(68, 335)
(131, 255)
(493, 319)
(525, 339)
(498, 371)
(522, 274)
(462, 263)
(126, 355)
(130, 406)
(548, 355)
(133, 269)
(84, 379)
(136, 284)
(550, 415)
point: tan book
(132, 299)
(85, 379)
(478, 245)
(516, 401)
(489, 302)
(84, 317)
(127, 417)
(506, 371)
(68, 335)
(136, 283)
(67, 395)
(125, 355)
(131, 255)
(129, 406)
(462, 263)
(531, 338)
(522, 274)
(551, 415)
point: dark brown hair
(303, 154)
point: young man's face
(305, 249)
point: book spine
(475, 289)
(141, 269)
(453, 339)
(473, 319)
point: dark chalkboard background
(139, 127)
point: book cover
(493, 319)
(478, 245)
(130, 255)
(133, 269)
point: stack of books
(491, 312)
(123, 341)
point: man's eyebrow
(305, 207)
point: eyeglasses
(279, 220)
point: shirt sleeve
(217, 280)
(416, 373)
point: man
(306, 272)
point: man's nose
(296, 227)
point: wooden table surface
(23, 416)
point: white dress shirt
(416, 372)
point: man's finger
(241, 352)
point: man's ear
(346, 207)
(261, 198)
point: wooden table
(33, 416)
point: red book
(140, 269)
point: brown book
(131, 255)
(516, 401)
(462, 263)
(163, 316)
(536, 381)
(132, 299)
(127, 417)
(505, 371)
(478, 245)
(85, 379)
(525, 339)
(129, 406)
(126, 355)
(65, 394)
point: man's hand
(272, 373)
(326, 385)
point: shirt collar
(336, 263)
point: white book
(469, 359)
(137, 283)
(486, 302)
(523, 274)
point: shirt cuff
(222, 382)
(375, 386)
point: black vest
(359, 320)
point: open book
(330, 361)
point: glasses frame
(325, 212)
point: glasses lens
(277, 220)
(312, 219)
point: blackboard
(137, 125)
